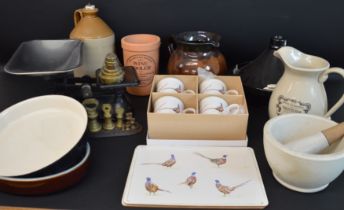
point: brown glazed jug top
(194, 50)
(88, 25)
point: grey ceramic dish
(45, 57)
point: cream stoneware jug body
(98, 39)
(301, 88)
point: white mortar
(300, 171)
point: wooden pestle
(317, 142)
(334, 133)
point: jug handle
(171, 45)
(322, 78)
(77, 16)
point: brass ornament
(108, 124)
(91, 105)
(112, 71)
(119, 115)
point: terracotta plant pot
(142, 52)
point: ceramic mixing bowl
(300, 171)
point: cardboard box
(197, 142)
(197, 126)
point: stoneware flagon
(301, 88)
(98, 39)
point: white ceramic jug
(301, 89)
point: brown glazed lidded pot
(196, 49)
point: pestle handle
(317, 142)
(334, 133)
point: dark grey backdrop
(313, 26)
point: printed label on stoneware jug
(288, 105)
(145, 68)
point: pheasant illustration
(226, 189)
(217, 161)
(153, 188)
(168, 163)
(191, 180)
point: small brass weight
(112, 71)
(130, 121)
(91, 106)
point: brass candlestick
(119, 115)
(108, 124)
(112, 71)
(91, 105)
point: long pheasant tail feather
(165, 190)
(199, 154)
(241, 184)
(151, 164)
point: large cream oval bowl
(39, 131)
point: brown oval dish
(47, 184)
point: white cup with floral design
(171, 105)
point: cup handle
(189, 92)
(322, 78)
(234, 109)
(189, 111)
(232, 92)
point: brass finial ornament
(91, 105)
(112, 71)
(108, 124)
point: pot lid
(39, 131)
(198, 38)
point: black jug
(260, 76)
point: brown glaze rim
(47, 184)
